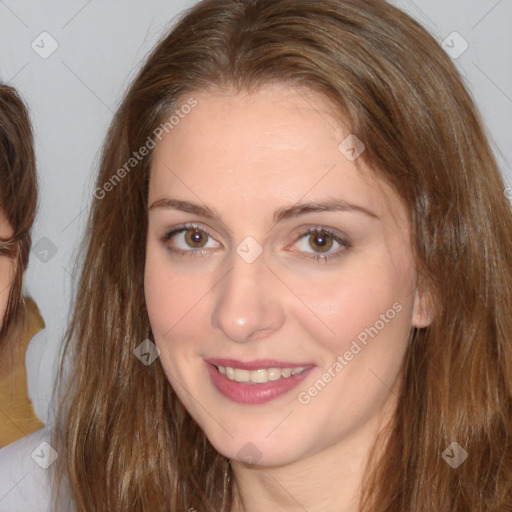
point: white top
(25, 474)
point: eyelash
(309, 231)
(179, 229)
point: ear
(422, 309)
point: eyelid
(321, 229)
(335, 234)
(185, 226)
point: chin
(255, 453)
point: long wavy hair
(18, 203)
(124, 440)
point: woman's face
(269, 250)
(7, 268)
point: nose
(247, 303)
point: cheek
(355, 300)
(360, 329)
(176, 303)
(174, 299)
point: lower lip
(254, 393)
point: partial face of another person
(273, 257)
(7, 268)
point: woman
(19, 316)
(296, 285)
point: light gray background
(73, 93)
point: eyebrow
(330, 205)
(287, 212)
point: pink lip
(254, 393)
(256, 364)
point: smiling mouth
(259, 376)
(259, 382)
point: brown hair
(124, 439)
(18, 203)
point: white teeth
(241, 375)
(260, 376)
(287, 372)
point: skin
(246, 155)
(7, 268)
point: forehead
(277, 144)
(275, 117)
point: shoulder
(25, 484)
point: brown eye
(321, 241)
(196, 238)
(322, 244)
(189, 239)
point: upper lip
(255, 364)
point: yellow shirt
(17, 416)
